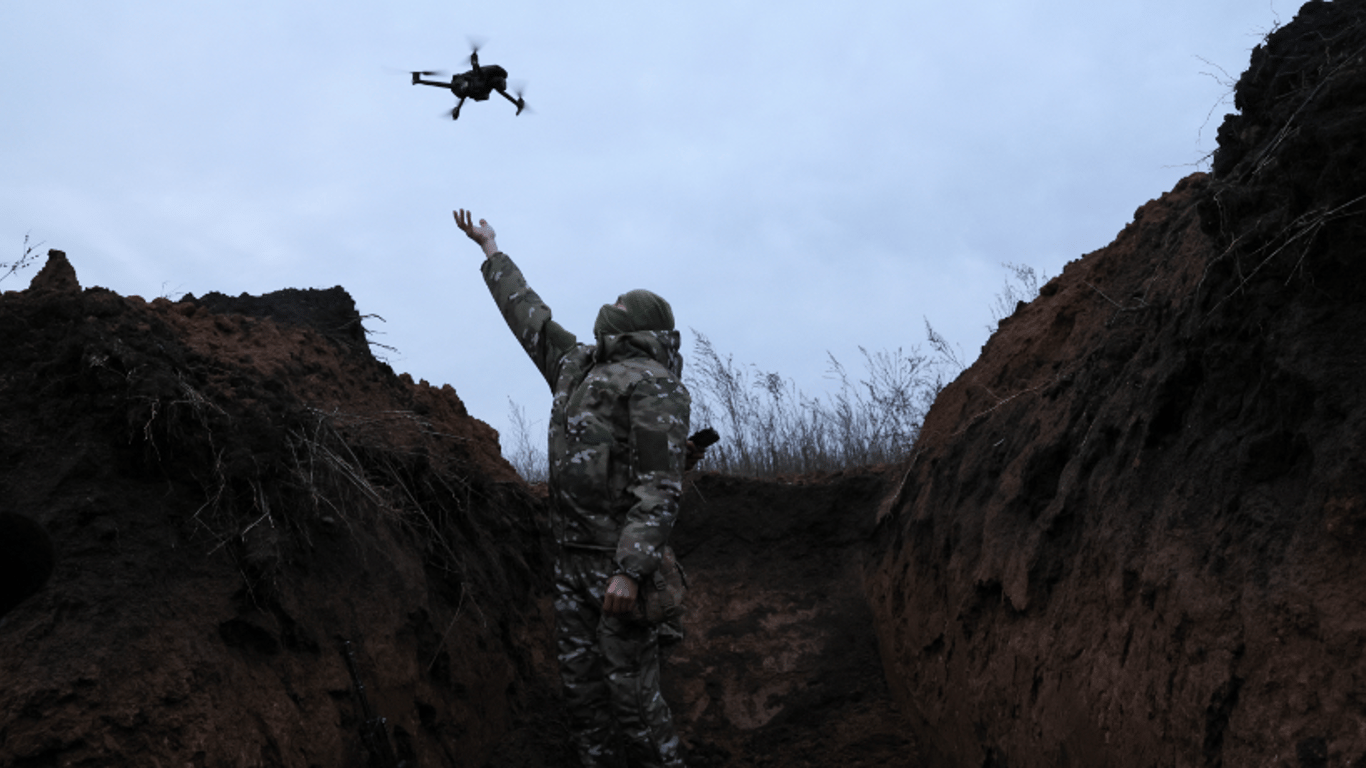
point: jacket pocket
(662, 595)
(585, 466)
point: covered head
(638, 310)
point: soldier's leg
(578, 608)
(631, 652)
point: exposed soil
(780, 664)
(233, 487)
(229, 496)
(1129, 534)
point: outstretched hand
(482, 234)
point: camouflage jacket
(618, 426)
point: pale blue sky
(794, 177)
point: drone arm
(520, 102)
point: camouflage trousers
(609, 667)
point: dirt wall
(229, 496)
(1130, 533)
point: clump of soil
(1287, 186)
(1130, 532)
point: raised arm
(543, 339)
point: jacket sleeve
(659, 413)
(544, 340)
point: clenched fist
(621, 594)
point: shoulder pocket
(652, 451)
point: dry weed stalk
(346, 471)
(29, 255)
(770, 427)
(1305, 228)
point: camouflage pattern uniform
(618, 437)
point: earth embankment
(216, 495)
(1130, 534)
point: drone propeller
(419, 74)
(476, 42)
(521, 102)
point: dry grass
(769, 426)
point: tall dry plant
(526, 455)
(769, 426)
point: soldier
(618, 443)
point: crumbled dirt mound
(1131, 532)
(228, 498)
(330, 312)
(1292, 163)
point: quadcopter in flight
(478, 83)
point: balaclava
(644, 311)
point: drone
(478, 83)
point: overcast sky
(796, 178)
